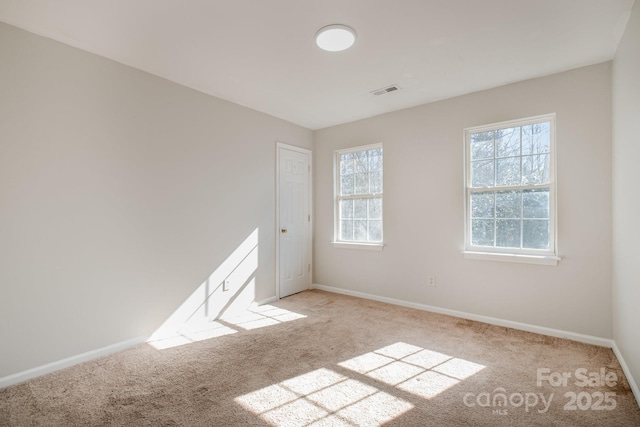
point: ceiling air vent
(387, 89)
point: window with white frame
(358, 201)
(510, 187)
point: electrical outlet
(431, 281)
(225, 285)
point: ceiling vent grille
(387, 89)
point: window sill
(525, 259)
(365, 246)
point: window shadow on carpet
(326, 397)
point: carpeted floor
(323, 359)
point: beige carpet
(322, 359)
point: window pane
(536, 139)
(508, 142)
(376, 182)
(482, 145)
(535, 204)
(508, 233)
(346, 230)
(508, 171)
(375, 231)
(535, 169)
(527, 139)
(346, 209)
(360, 230)
(361, 161)
(362, 183)
(346, 163)
(482, 232)
(482, 205)
(346, 185)
(482, 173)
(508, 205)
(375, 208)
(375, 160)
(360, 209)
(535, 234)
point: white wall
(423, 207)
(626, 202)
(120, 194)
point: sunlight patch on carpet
(190, 334)
(413, 369)
(323, 398)
(259, 317)
(198, 329)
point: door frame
(279, 146)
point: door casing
(309, 153)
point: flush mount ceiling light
(335, 38)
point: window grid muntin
(522, 219)
(495, 158)
(369, 168)
(545, 139)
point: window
(510, 189)
(358, 201)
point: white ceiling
(261, 53)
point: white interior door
(294, 220)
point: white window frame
(534, 256)
(337, 198)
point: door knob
(283, 231)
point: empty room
(337, 213)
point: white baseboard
(84, 357)
(69, 361)
(627, 373)
(124, 345)
(588, 339)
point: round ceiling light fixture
(335, 38)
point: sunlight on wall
(323, 398)
(413, 369)
(229, 289)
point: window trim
(535, 256)
(344, 244)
